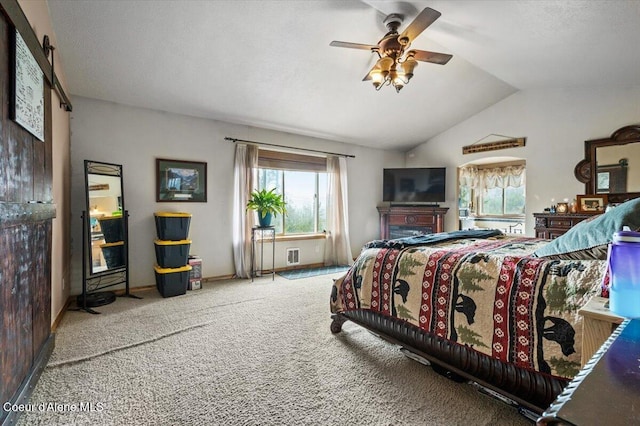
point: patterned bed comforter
(488, 294)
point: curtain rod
(234, 140)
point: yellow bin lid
(117, 243)
(171, 270)
(109, 218)
(172, 214)
(171, 243)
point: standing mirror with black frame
(105, 241)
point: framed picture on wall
(180, 180)
(592, 203)
(28, 93)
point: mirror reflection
(618, 168)
(105, 206)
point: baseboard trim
(120, 292)
(58, 320)
(307, 266)
(23, 394)
(219, 278)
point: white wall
(556, 122)
(135, 137)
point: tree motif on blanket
(560, 296)
(404, 313)
(470, 277)
(469, 337)
(564, 367)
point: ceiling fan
(396, 63)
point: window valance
(492, 177)
(269, 159)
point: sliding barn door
(26, 213)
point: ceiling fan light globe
(385, 63)
(409, 65)
(399, 80)
(376, 76)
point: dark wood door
(26, 212)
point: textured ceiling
(269, 63)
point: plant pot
(264, 221)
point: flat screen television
(414, 185)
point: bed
(478, 305)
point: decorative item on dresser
(551, 225)
(562, 208)
(594, 203)
(407, 221)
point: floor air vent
(293, 256)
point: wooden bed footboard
(528, 389)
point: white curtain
(496, 177)
(244, 182)
(337, 246)
(469, 177)
(501, 177)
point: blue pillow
(589, 239)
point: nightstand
(607, 389)
(598, 325)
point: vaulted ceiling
(269, 63)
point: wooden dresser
(552, 225)
(407, 221)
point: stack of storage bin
(172, 253)
(112, 229)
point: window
(303, 182)
(493, 190)
(464, 199)
(503, 201)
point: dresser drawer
(411, 219)
(565, 223)
(553, 225)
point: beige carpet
(242, 353)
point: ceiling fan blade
(433, 57)
(368, 76)
(352, 45)
(422, 21)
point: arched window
(493, 195)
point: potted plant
(267, 204)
